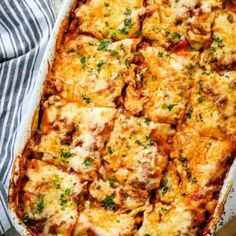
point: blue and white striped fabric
(25, 27)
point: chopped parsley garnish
(174, 37)
(127, 22)
(127, 12)
(67, 192)
(160, 54)
(123, 30)
(169, 106)
(149, 139)
(40, 205)
(147, 122)
(189, 113)
(218, 41)
(213, 49)
(64, 197)
(127, 63)
(104, 44)
(113, 35)
(112, 182)
(114, 52)
(86, 99)
(58, 186)
(87, 162)
(138, 33)
(100, 63)
(205, 73)
(26, 218)
(108, 202)
(164, 187)
(190, 67)
(56, 181)
(110, 150)
(106, 4)
(83, 60)
(200, 99)
(91, 202)
(71, 50)
(65, 154)
(139, 142)
(127, 25)
(147, 234)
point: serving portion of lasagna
(137, 126)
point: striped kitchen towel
(25, 26)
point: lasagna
(136, 128)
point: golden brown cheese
(76, 136)
(125, 198)
(97, 221)
(212, 105)
(170, 184)
(50, 198)
(163, 220)
(222, 49)
(92, 72)
(172, 22)
(132, 156)
(165, 79)
(201, 163)
(111, 19)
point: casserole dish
(131, 128)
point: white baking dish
(26, 128)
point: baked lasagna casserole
(136, 128)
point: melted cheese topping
(125, 197)
(166, 81)
(93, 72)
(211, 109)
(102, 222)
(199, 159)
(165, 220)
(110, 19)
(87, 130)
(50, 193)
(222, 48)
(172, 21)
(132, 155)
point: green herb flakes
(86, 99)
(108, 202)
